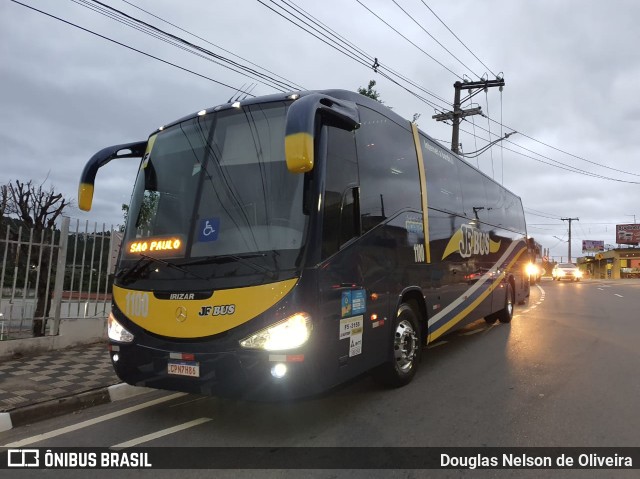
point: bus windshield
(217, 187)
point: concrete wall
(73, 332)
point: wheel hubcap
(405, 345)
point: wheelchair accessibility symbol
(209, 228)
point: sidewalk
(53, 383)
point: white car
(566, 271)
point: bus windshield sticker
(208, 230)
(353, 302)
(349, 325)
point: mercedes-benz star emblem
(181, 314)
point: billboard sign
(628, 234)
(591, 246)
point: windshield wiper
(240, 259)
(145, 260)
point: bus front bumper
(251, 374)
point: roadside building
(619, 263)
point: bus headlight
(532, 269)
(117, 332)
(288, 334)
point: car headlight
(287, 334)
(578, 273)
(561, 272)
(117, 332)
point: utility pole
(570, 220)
(458, 113)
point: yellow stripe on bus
(423, 192)
(180, 318)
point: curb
(58, 407)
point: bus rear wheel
(407, 350)
(505, 315)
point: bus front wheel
(407, 350)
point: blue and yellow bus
(288, 243)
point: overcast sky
(570, 67)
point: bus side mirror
(301, 126)
(104, 156)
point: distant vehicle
(535, 272)
(566, 271)
(534, 268)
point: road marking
(601, 289)
(91, 422)
(163, 432)
(189, 401)
(618, 295)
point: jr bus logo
(470, 241)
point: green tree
(370, 92)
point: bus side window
(341, 180)
(388, 167)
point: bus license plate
(184, 368)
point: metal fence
(47, 275)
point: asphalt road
(565, 372)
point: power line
(129, 47)
(318, 30)
(554, 163)
(576, 156)
(456, 36)
(433, 38)
(183, 44)
(550, 216)
(208, 42)
(412, 43)
(368, 57)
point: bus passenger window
(388, 168)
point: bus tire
(407, 350)
(505, 315)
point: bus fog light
(288, 334)
(117, 332)
(279, 370)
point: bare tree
(4, 202)
(36, 208)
